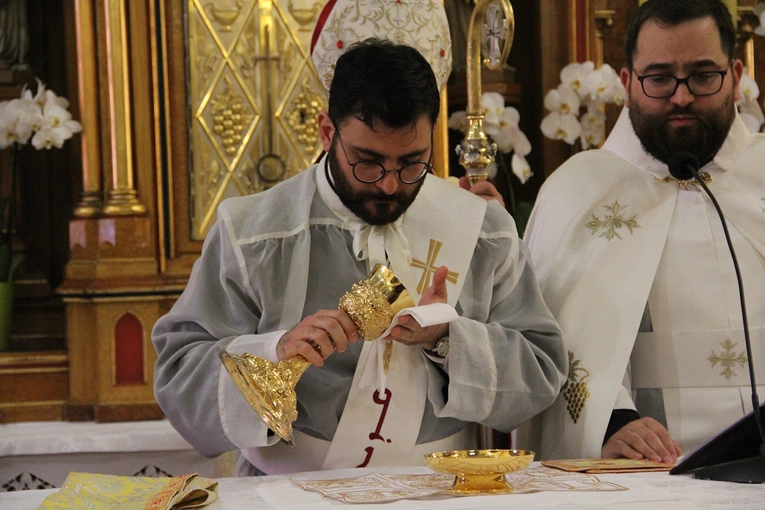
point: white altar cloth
(654, 491)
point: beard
(702, 139)
(372, 207)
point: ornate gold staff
(492, 35)
(270, 387)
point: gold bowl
(479, 471)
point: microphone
(684, 166)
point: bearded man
(634, 264)
(275, 265)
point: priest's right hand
(317, 336)
(645, 438)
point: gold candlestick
(270, 387)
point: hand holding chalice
(270, 387)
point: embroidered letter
(376, 397)
(370, 450)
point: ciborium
(270, 387)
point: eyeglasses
(661, 86)
(368, 171)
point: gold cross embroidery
(429, 267)
(728, 358)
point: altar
(538, 488)
(40, 455)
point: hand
(643, 438)
(483, 189)
(408, 331)
(317, 336)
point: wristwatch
(441, 349)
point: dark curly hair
(376, 79)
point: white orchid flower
(592, 136)
(51, 97)
(747, 103)
(573, 76)
(593, 118)
(561, 127)
(48, 137)
(504, 133)
(759, 11)
(521, 168)
(492, 103)
(563, 100)
(747, 88)
(458, 121)
(57, 117)
(605, 86)
(19, 119)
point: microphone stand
(752, 469)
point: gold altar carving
(254, 96)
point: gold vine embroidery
(613, 220)
(575, 391)
(727, 358)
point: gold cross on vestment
(429, 267)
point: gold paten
(475, 151)
(270, 387)
(479, 471)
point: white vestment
(611, 238)
(276, 257)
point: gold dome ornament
(270, 387)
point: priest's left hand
(408, 331)
(645, 438)
(483, 189)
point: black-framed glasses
(662, 86)
(369, 171)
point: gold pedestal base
(268, 387)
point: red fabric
(320, 23)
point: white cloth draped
(598, 235)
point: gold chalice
(479, 471)
(270, 387)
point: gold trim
(87, 90)
(163, 230)
(684, 184)
(441, 139)
(122, 198)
